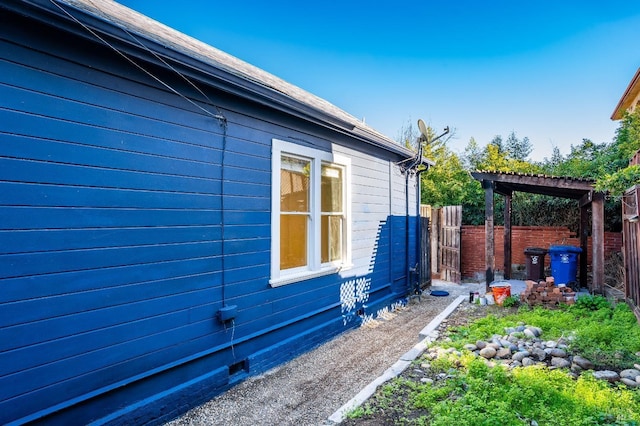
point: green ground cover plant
(464, 390)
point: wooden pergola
(581, 190)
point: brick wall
(473, 241)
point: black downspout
(406, 239)
(419, 218)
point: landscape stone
(551, 344)
(519, 356)
(528, 362)
(560, 362)
(629, 382)
(426, 380)
(488, 352)
(630, 374)
(539, 353)
(536, 330)
(470, 347)
(481, 344)
(584, 363)
(576, 368)
(530, 334)
(559, 353)
(503, 353)
(608, 375)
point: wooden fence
(631, 246)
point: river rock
(558, 353)
(503, 353)
(540, 354)
(488, 352)
(583, 363)
(608, 375)
(481, 344)
(519, 356)
(536, 330)
(629, 382)
(630, 374)
(529, 333)
(560, 362)
(470, 347)
(528, 362)
(551, 344)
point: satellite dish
(423, 129)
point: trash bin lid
(565, 249)
(500, 284)
(535, 251)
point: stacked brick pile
(546, 293)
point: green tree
(518, 149)
(620, 176)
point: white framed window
(310, 213)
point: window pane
(331, 234)
(294, 185)
(331, 193)
(293, 241)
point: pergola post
(584, 234)
(489, 245)
(597, 242)
(507, 237)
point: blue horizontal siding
(46, 240)
(15, 289)
(87, 321)
(35, 217)
(111, 199)
(47, 195)
(83, 144)
(26, 264)
(30, 171)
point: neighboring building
(630, 100)
(173, 219)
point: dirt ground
(308, 389)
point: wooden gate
(446, 225)
(450, 243)
(631, 239)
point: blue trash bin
(564, 264)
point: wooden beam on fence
(584, 234)
(597, 243)
(489, 245)
(507, 237)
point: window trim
(314, 267)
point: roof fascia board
(625, 101)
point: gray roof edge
(121, 17)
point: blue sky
(549, 70)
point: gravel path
(308, 389)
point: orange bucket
(501, 292)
